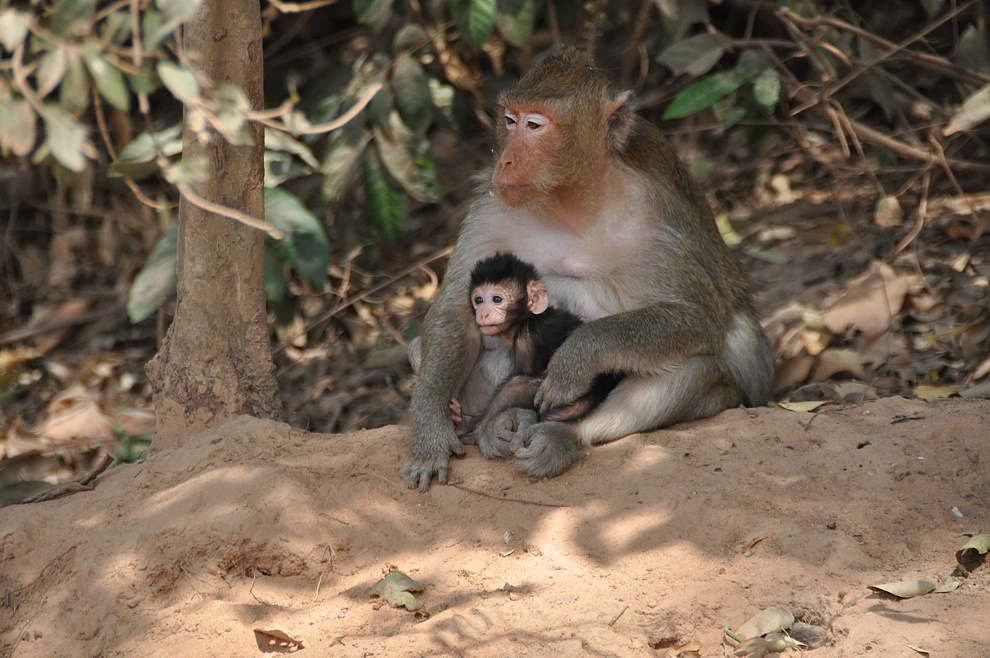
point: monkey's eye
(479, 300)
(510, 121)
(536, 122)
(497, 299)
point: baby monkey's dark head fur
(500, 268)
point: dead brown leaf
(837, 360)
(75, 414)
(67, 310)
(793, 371)
(871, 302)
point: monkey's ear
(536, 297)
(620, 114)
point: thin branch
(893, 48)
(919, 220)
(226, 211)
(299, 7)
(364, 295)
(503, 498)
(369, 93)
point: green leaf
(406, 156)
(706, 92)
(74, 92)
(144, 81)
(52, 67)
(694, 56)
(375, 13)
(385, 198)
(66, 138)
(275, 283)
(396, 588)
(157, 280)
(137, 159)
(410, 37)
(151, 29)
(515, 20)
(338, 169)
(232, 104)
(412, 94)
(159, 25)
(766, 89)
(18, 126)
(475, 19)
(305, 245)
(972, 51)
(108, 79)
(116, 28)
(178, 11)
(180, 81)
(72, 15)
(14, 26)
(187, 170)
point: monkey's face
(492, 305)
(530, 138)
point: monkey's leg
(698, 387)
(510, 410)
(695, 388)
(497, 435)
(546, 450)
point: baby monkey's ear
(536, 297)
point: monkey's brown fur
(596, 199)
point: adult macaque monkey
(596, 199)
(510, 302)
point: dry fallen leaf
(837, 360)
(888, 212)
(775, 618)
(744, 546)
(274, 639)
(686, 650)
(793, 371)
(928, 393)
(802, 407)
(870, 303)
(396, 589)
(906, 589)
(972, 552)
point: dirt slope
(630, 553)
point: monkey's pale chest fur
(585, 270)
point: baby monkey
(510, 300)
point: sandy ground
(631, 553)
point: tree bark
(215, 361)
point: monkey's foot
(546, 450)
(495, 437)
(430, 457)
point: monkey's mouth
(490, 329)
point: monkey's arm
(644, 341)
(449, 353)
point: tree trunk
(215, 361)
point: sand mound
(631, 552)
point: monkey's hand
(569, 375)
(546, 450)
(431, 451)
(496, 436)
